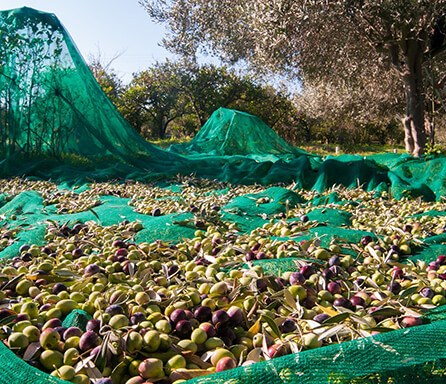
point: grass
(164, 143)
(363, 150)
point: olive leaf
(8, 320)
(118, 371)
(386, 312)
(194, 359)
(32, 351)
(13, 281)
(380, 329)
(330, 332)
(409, 291)
(254, 355)
(272, 325)
(337, 318)
(289, 299)
(255, 328)
(410, 312)
(101, 358)
(360, 320)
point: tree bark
(415, 135)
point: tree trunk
(415, 136)
(160, 124)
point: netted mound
(50, 102)
(229, 132)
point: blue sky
(110, 27)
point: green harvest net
(56, 123)
(231, 133)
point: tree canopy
(361, 43)
(179, 97)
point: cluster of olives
(164, 312)
(172, 312)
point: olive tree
(333, 41)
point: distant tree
(106, 77)
(209, 87)
(326, 40)
(153, 98)
(184, 95)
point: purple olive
(24, 248)
(27, 256)
(220, 316)
(297, 278)
(93, 325)
(334, 288)
(88, 340)
(308, 302)
(47, 250)
(71, 331)
(397, 273)
(256, 247)
(59, 287)
(304, 218)
(227, 333)
(366, 239)
(287, 326)
(351, 269)
(177, 315)
(209, 329)
(121, 252)
(260, 284)
(327, 273)
(261, 256)
(119, 244)
(78, 252)
(334, 260)
(156, 212)
(61, 330)
(4, 313)
(41, 282)
(91, 269)
(307, 271)
(172, 269)
(184, 328)
(321, 317)
(441, 260)
(427, 292)
(358, 301)
(53, 323)
(343, 302)
(394, 287)
(235, 315)
(114, 309)
(137, 318)
(203, 314)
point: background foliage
(172, 100)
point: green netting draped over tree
(229, 133)
(55, 122)
(50, 101)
